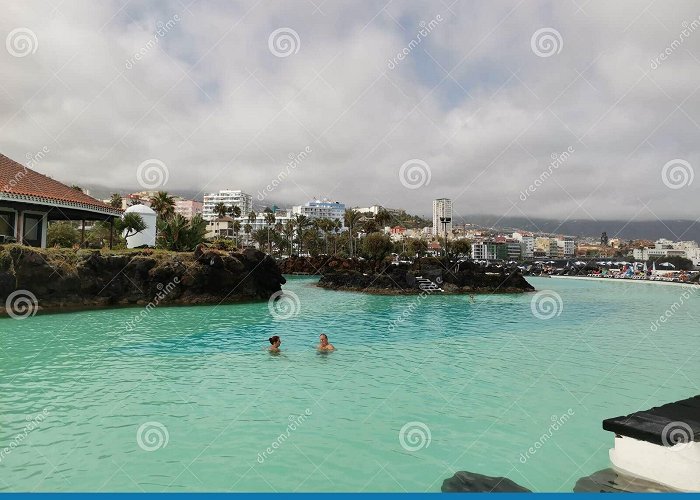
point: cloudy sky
(398, 102)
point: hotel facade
(230, 198)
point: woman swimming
(324, 344)
(276, 343)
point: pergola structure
(29, 200)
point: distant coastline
(625, 280)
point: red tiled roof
(23, 183)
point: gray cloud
(472, 100)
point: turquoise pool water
(474, 385)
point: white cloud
(211, 101)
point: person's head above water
(275, 341)
(323, 338)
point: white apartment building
(666, 248)
(321, 209)
(228, 197)
(567, 246)
(442, 216)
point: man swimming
(324, 344)
(276, 343)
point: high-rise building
(229, 198)
(442, 216)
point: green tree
(457, 248)
(289, 234)
(178, 234)
(269, 220)
(352, 219)
(115, 200)
(252, 216)
(377, 246)
(302, 222)
(130, 224)
(221, 210)
(260, 237)
(382, 217)
(235, 211)
(417, 247)
(62, 234)
(236, 229)
(163, 204)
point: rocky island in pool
(62, 279)
(431, 275)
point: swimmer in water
(276, 343)
(324, 344)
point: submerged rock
(69, 279)
(471, 482)
(611, 481)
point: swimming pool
(418, 388)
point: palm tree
(269, 220)
(337, 226)
(181, 235)
(131, 223)
(236, 229)
(252, 216)
(302, 222)
(115, 200)
(289, 233)
(235, 211)
(351, 221)
(221, 210)
(247, 229)
(163, 204)
(382, 217)
(261, 238)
